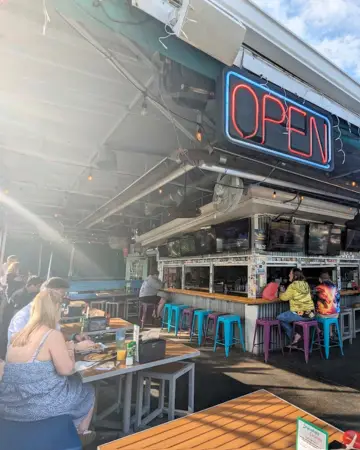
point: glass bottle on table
(120, 344)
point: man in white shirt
(149, 295)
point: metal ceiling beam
(67, 162)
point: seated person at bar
(37, 382)
(298, 294)
(271, 290)
(148, 295)
(327, 298)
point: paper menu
(310, 437)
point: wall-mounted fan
(228, 192)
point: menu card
(310, 437)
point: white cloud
(330, 26)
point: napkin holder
(151, 350)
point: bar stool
(132, 306)
(355, 310)
(267, 324)
(112, 308)
(212, 320)
(166, 314)
(187, 319)
(229, 322)
(347, 331)
(306, 327)
(326, 326)
(174, 318)
(198, 324)
(168, 372)
(98, 304)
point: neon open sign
(259, 117)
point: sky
(331, 26)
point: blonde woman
(37, 382)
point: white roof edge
(289, 44)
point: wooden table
(174, 352)
(255, 421)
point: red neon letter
(233, 110)
(295, 130)
(268, 119)
(323, 150)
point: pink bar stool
(306, 327)
(187, 318)
(212, 320)
(267, 324)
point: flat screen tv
(205, 241)
(319, 235)
(188, 245)
(163, 251)
(233, 236)
(335, 241)
(352, 241)
(286, 237)
(174, 248)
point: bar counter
(249, 309)
(224, 297)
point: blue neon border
(328, 166)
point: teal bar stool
(198, 324)
(166, 314)
(175, 316)
(229, 323)
(326, 327)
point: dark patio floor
(328, 389)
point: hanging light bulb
(353, 183)
(90, 177)
(198, 134)
(274, 194)
(302, 198)
(160, 191)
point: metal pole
(71, 265)
(50, 263)
(40, 258)
(3, 244)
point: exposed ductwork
(161, 174)
(275, 182)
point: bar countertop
(237, 299)
(226, 298)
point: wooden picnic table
(255, 421)
(174, 352)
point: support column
(3, 243)
(211, 278)
(251, 315)
(50, 264)
(71, 264)
(40, 259)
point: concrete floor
(328, 389)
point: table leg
(127, 403)
(191, 389)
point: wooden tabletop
(256, 421)
(227, 298)
(174, 352)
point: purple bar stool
(212, 319)
(306, 327)
(267, 324)
(187, 317)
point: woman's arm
(287, 295)
(62, 353)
